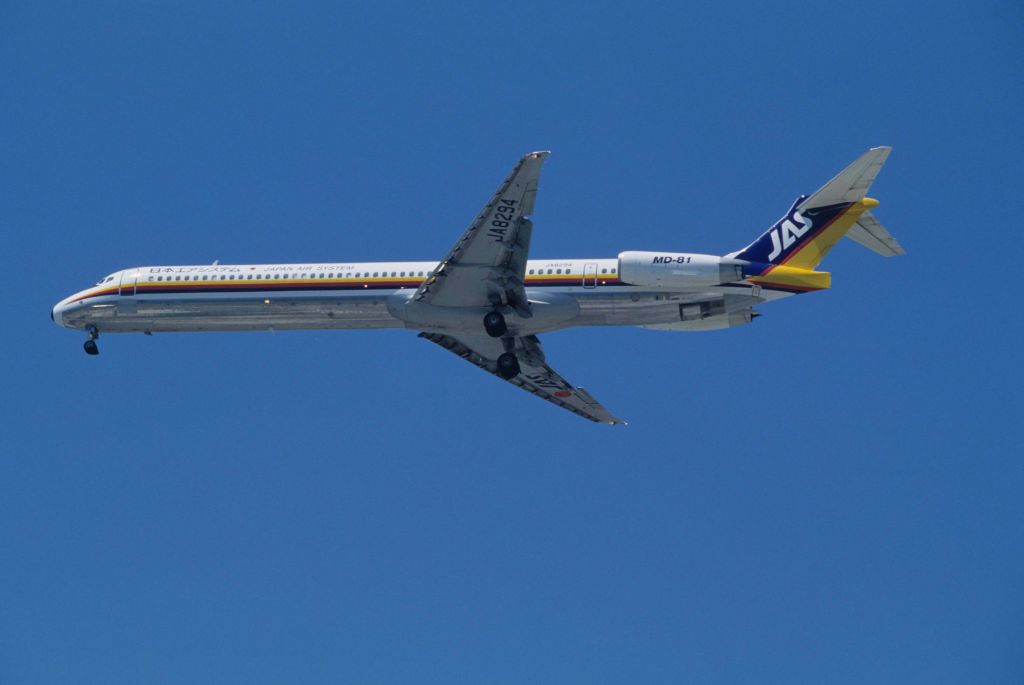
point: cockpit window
(105, 280)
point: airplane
(485, 300)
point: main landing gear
(494, 324)
(496, 327)
(90, 344)
(508, 365)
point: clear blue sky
(833, 494)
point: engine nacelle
(677, 270)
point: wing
(535, 375)
(486, 266)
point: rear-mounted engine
(677, 270)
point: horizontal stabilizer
(873, 235)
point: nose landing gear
(90, 344)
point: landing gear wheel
(494, 324)
(508, 366)
(91, 348)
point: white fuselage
(562, 293)
(485, 301)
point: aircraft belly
(635, 307)
(167, 315)
(630, 308)
(553, 309)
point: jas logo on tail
(787, 232)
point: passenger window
(375, 273)
(550, 271)
(531, 272)
(604, 271)
(613, 270)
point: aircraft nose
(55, 314)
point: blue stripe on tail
(789, 232)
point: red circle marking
(563, 393)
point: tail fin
(813, 225)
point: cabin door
(128, 282)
